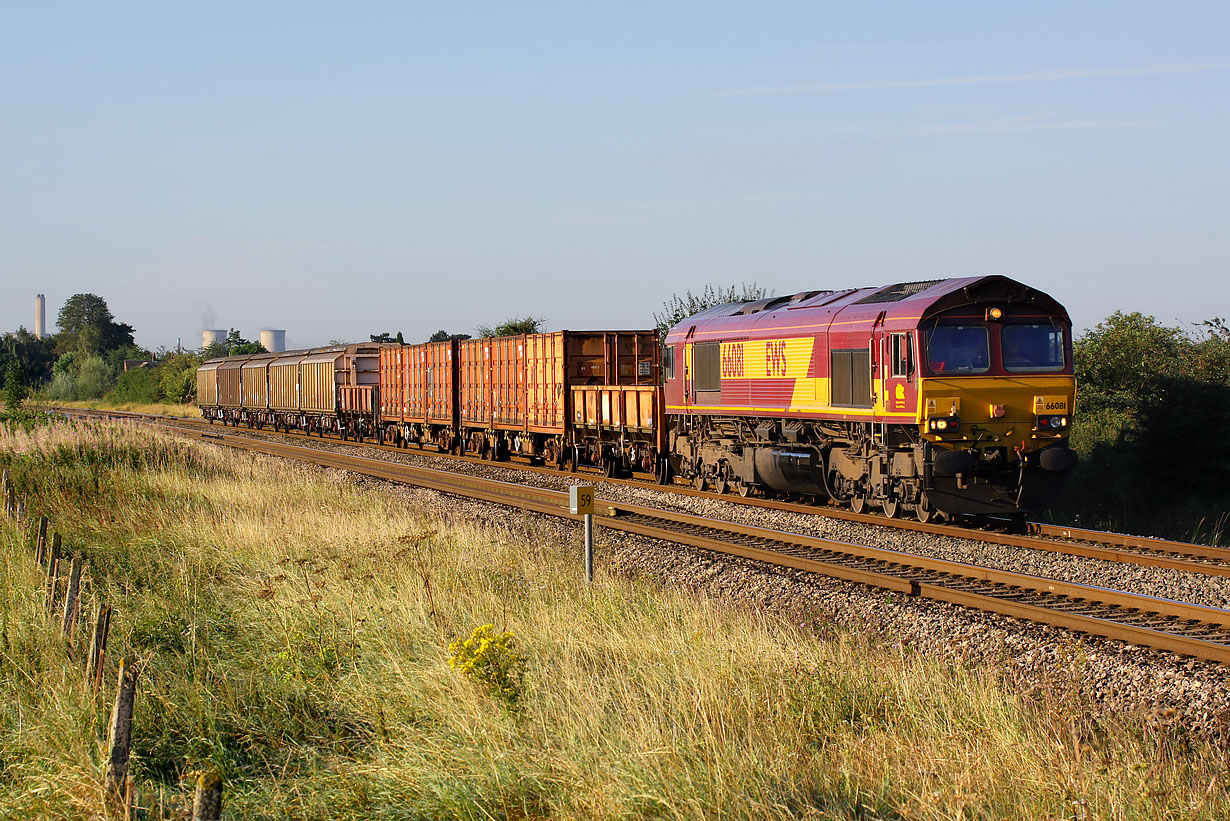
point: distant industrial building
(40, 316)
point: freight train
(941, 398)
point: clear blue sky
(338, 169)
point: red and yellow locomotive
(940, 397)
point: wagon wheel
(858, 502)
(892, 508)
(743, 488)
(664, 471)
(698, 482)
(720, 486)
(609, 467)
(924, 511)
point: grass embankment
(297, 626)
(157, 408)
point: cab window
(958, 349)
(901, 355)
(1032, 347)
(668, 361)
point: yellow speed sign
(580, 499)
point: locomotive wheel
(699, 482)
(923, 511)
(721, 486)
(892, 508)
(858, 503)
(743, 488)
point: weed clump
(490, 659)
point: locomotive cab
(996, 399)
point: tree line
(86, 358)
(1152, 427)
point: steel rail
(1171, 626)
(1116, 547)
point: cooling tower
(274, 341)
(210, 337)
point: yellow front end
(997, 411)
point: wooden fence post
(98, 646)
(21, 510)
(207, 803)
(40, 547)
(70, 598)
(116, 778)
(53, 569)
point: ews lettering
(775, 357)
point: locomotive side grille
(851, 378)
(898, 292)
(707, 366)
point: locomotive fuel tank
(791, 470)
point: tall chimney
(40, 316)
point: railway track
(1094, 544)
(1170, 626)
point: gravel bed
(1211, 591)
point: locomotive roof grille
(898, 292)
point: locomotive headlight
(1051, 423)
(948, 424)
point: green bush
(63, 386)
(94, 379)
(139, 385)
(177, 377)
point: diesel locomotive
(944, 398)
(949, 397)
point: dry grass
(156, 408)
(296, 629)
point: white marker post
(581, 501)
